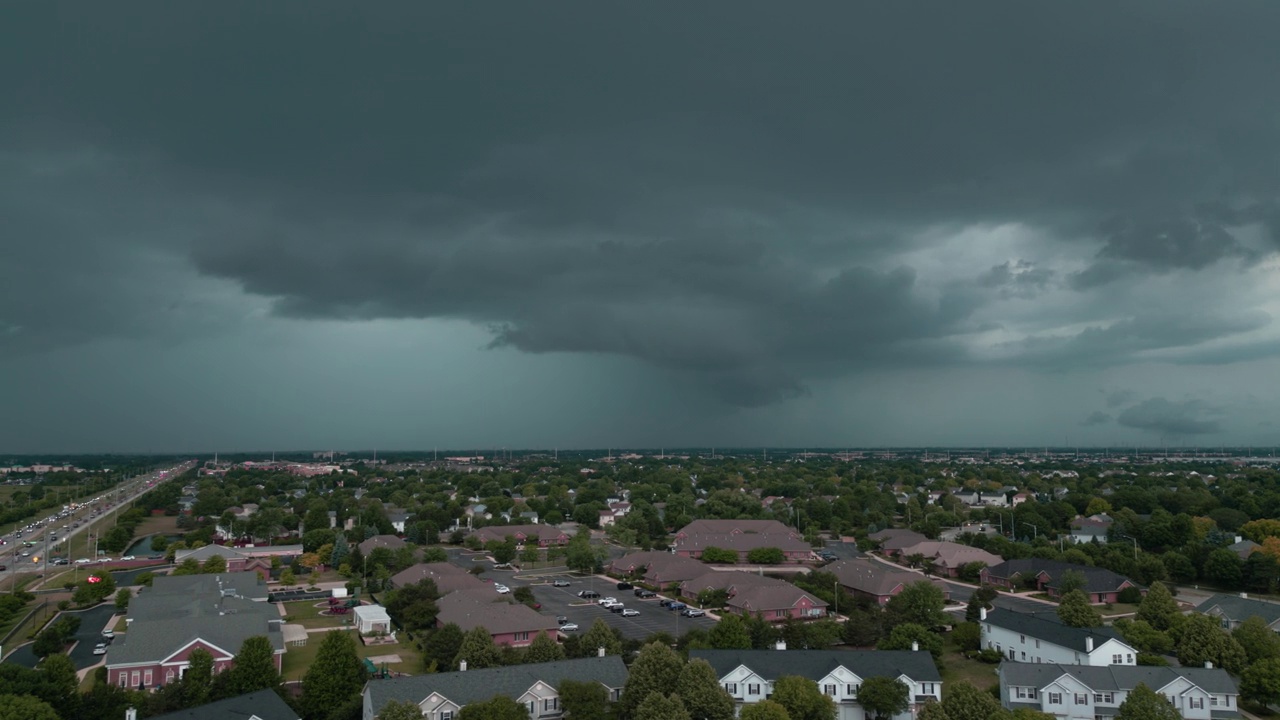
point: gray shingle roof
(1096, 579)
(1048, 627)
(484, 607)
(480, 685)
(875, 578)
(245, 584)
(817, 664)
(1234, 607)
(1117, 677)
(263, 704)
(763, 598)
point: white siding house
(1042, 638)
(1081, 692)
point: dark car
(615, 608)
(588, 594)
(677, 606)
(625, 586)
(642, 593)
(561, 619)
(664, 602)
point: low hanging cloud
(1165, 417)
(1096, 418)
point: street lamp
(1034, 530)
(1135, 544)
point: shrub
(1131, 595)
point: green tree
(973, 610)
(530, 553)
(1075, 611)
(714, 554)
(1258, 641)
(441, 647)
(287, 577)
(657, 706)
(967, 636)
(26, 707)
(1142, 636)
(584, 700)
(197, 681)
(1223, 567)
(966, 702)
(397, 710)
(478, 650)
(763, 710)
(766, 556)
(335, 677)
(600, 635)
(655, 670)
(802, 699)
(58, 674)
(730, 633)
(543, 649)
(700, 691)
(504, 551)
(123, 595)
(341, 550)
(1158, 608)
(1261, 682)
(214, 564)
(1070, 580)
(254, 668)
(883, 697)
(920, 603)
(500, 707)
(903, 636)
(413, 606)
(1203, 639)
(1143, 703)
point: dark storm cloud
(1166, 417)
(1097, 417)
(723, 194)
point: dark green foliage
(883, 697)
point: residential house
(777, 603)
(1232, 610)
(1041, 637)
(441, 696)
(397, 517)
(748, 675)
(390, 542)
(447, 577)
(1243, 548)
(983, 499)
(947, 558)
(216, 612)
(259, 705)
(894, 539)
(657, 567)
(741, 536)
(875, 580)
(1089, 529)
(731, 582)
(544, 535)
(1101, 585)
(509, 623)
(1087, 692)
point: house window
(531, 705)
(445, 714)
(1022, 639)
(550, 704)
(1213, 702)
(1012, 654)
(926, 688)
(123, 679)
(779, 613)
(1116, 659)
(137, 678)
(1024, 657)
(1173, 700)
(829, 690)
(146, 677)
(1082, 698)
(731, 688)
(168, 677)
(1055, 698)
(851, 690)
(753, 689)
(1129, 658)
(522, 636)
(1037, 644)
(1196, 703)
(1023, 693)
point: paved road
(962, 593)
(652, 618)
(92, 622)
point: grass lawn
(165, 524)
(958, 668)
(306, 614)
(1118, 609)
(298, 659)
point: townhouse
(441, 696)
(215, 612)
(893, 540)
(508, 623)
(259, 705)
(875, 580)
(1085, 692)
(1232, 610)
(1043, 638)
(1101, 585)
(543, 535)
(732, 582)
(1090, 529)
(741, 536)
(947, 558)
(748, 675)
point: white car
(108, 634)
(569, 627)
(502, 589)
(100, 649)
(606, 602)
(629, 612)
(128, 557)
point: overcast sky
(407, 224)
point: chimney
(982, 613)
(131, 714)
(1239, 539)
(1244, 596)
(1088, 644)
(1208, 664)
(915, 646)
(462, 666)
(780, 645)
(600, 651)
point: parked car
(588, 594)
(100, 649)
(616, 607)
(607, 601)
(625, 586)
(665, 602)
(677, 606)
(108, 634)
(560, 583)
(642, 593)
(692, 612)
(629, 612)
(569, 627)
(502, 589)
(562, 620)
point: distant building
(741, 536)
(1232, 610)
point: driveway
(92, 622)
(652, 618)
(962, 593)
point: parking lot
(652, 618)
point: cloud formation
(1172, 418)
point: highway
(119, 497)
